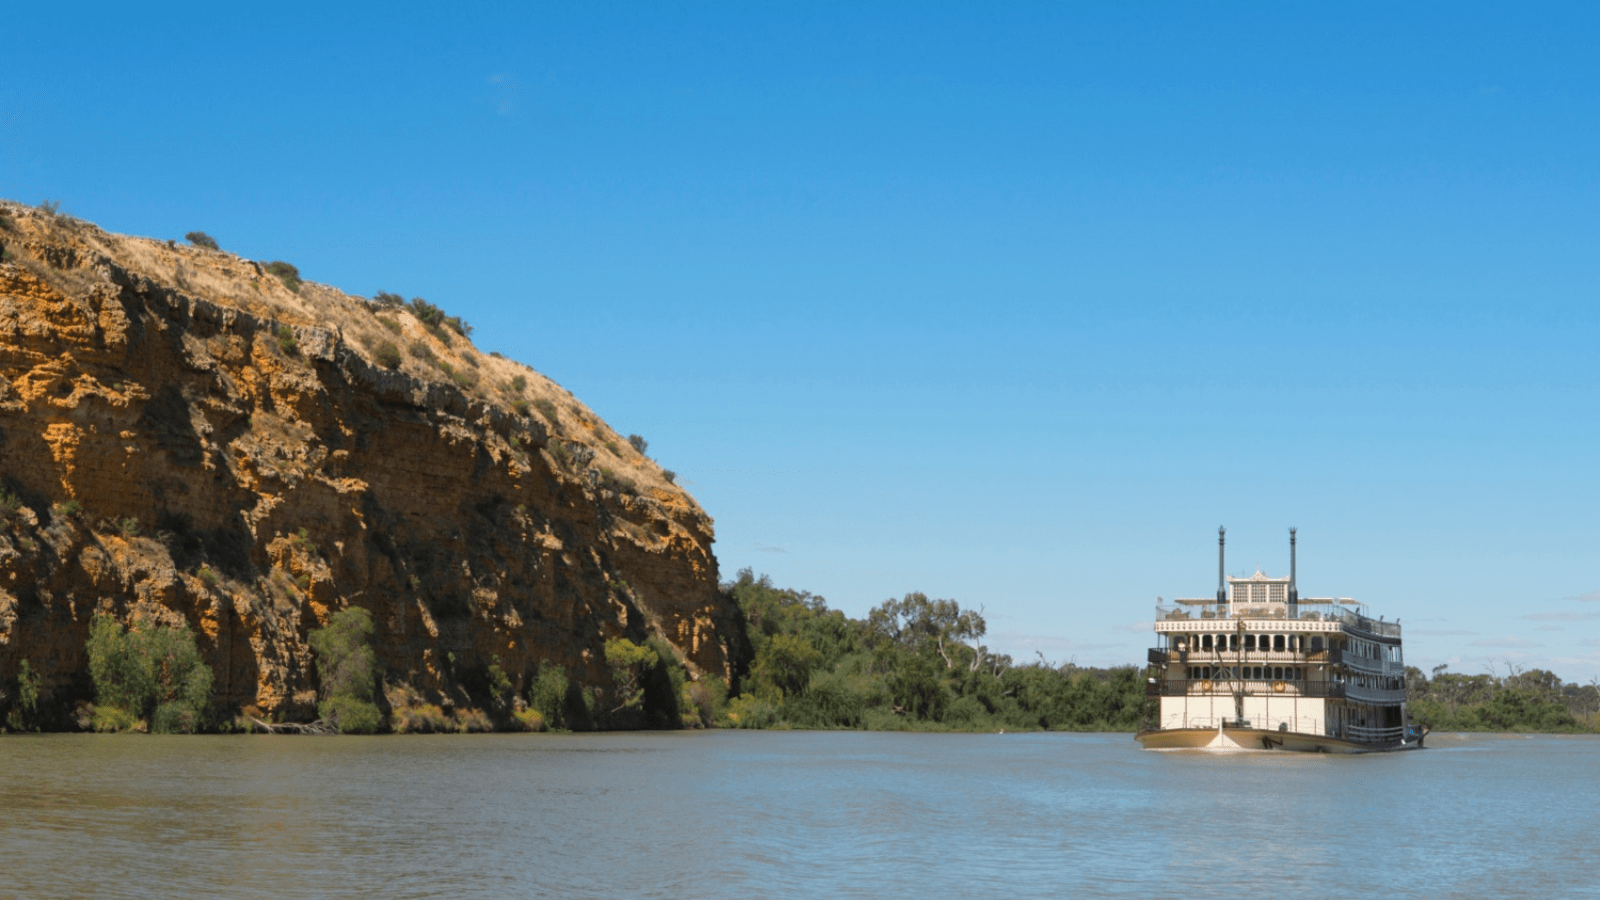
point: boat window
(1277, 642)
(1316, 642)
(1205, 642)
(1233, 642)
(1249, 642)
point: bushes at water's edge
(912, 664)
(1533, 700)
(147, 677)
(348, 672)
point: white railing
(1375, 735)
(1308, 612)
(1300, 725)
(1361, 694)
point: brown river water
(730, 814)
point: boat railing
(1179, 687)
(1298, 725)
(1374, 695)
(1159, 656)
(1189, 610)
(1375, 735)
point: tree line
(913, 663)
(1512, 700)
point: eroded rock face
(183, 439)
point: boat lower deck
(1260, 739)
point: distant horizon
(1010, 305)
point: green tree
(785, 662)
(25, 710)
(150, 673)
(348, 671)
(550, 694)
(629, 664)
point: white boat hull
(1259, 739)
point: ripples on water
(788, 814)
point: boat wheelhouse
(1258, 666)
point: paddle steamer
(1260, 667)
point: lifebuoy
(1278, 686)
(1205, 686)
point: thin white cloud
(1562, 616)
(1591, 597)
(1441, 632)
(1508, 641)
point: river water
(789, 814)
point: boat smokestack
(1222, 588)
(1294, 592)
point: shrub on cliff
(388, 355)
(202, 240)
(434, 319)
(149, 673)
(286, 273)
(348, 671)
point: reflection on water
(767, 814)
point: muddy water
(788, 814)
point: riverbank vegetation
(912, 664)
(149, 677)
(1512, 700)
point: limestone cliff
(185, 437)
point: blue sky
(1012, 305)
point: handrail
(1374, 695)
(1181, 687)
(1286, 611)
(1375, 735)
(1303, 725)
(1300, 725)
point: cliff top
(415, 339)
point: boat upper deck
(1317, 613)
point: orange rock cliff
(186, 438)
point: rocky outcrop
(183, 438)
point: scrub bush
(286, 273)
(388, 355)
(147, 673)
(347, 670)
